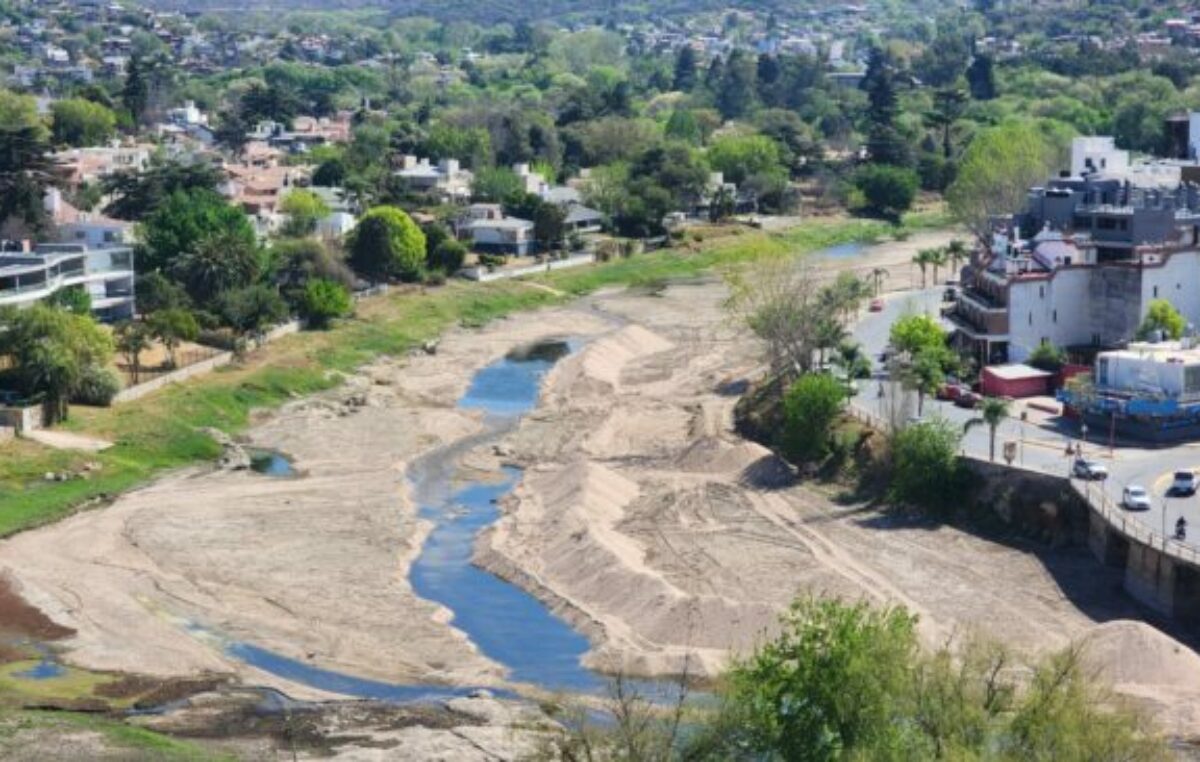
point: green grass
(140, 743)
(160, 431)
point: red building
(1014, 381)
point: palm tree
(992, 411)
(937, 258)
(923, 259)
(853, 362)
(877, 276)
(956, 252)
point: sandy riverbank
(642, 519)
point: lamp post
(1082, 437)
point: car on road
(876, 305)
(967, 399)
(1135, 498)
(1184, 484)
(1089, 470)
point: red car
(951, 391)
(876, 305)
(967, 399)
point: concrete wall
(21, 419)
(483, 275)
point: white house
(492, 232)
(446, 179)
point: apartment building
(1078, 267)
(105, 271)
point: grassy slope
(18, 728)
(160, 431)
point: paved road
(1042, 440)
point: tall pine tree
(685, 70)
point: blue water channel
(843, 250)
(507, 624)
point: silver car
(1089, 470)
(1135, 498)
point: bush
(925, 469)
(323, 301)
(1048, 357)
(448, 256)
(810, 407)
(888, 191)
(492, 260)
(97, 387)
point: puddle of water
(44, 670)
(270, 463)
(843, 250)
(511, 386)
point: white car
(1135, 498)
(1090, 470)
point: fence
(483, 275)
(184, 358)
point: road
(1042, 439)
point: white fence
(484, 275)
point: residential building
(1080, 265)
(106, 272)
(493, 233)
(446, 179)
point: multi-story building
(1080, 265)
(106, 272)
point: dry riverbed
(641, 518)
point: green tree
(137, 195)
(1161, 315)
(1048, 357)
(74, 299)
(739, 157)
(496, 184)
(217, 263)
(1000, 166)
(51, 350)
(135, 95)
(810, 406)
(991, 411)
(25, 167)
(304, 210)
(252, 309)
(549, 226)
(685, 70)
(914, 333)
(888, 191)
(930, 258)
(925, 470)
(173, 327)
(187, 218)
(79, 122)
(448, 257)
(924, 373)
(387, 244)
(323, 301)
(132, 339)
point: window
(1156, 292)
(1054, 316)
(1041, 292)
(1031, 318)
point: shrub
(97, 387)
(888, 191)
(925, 469)
(492, 260)
(810, 407)
(323, 301)
(1048, 357)
(448, 256)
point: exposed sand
(642, 518)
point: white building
(492, 232)
(446, 179)
(1164, 370)
(106, 273)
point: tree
(252, 309)
(137, 195)
(1048, 357)
(685, 70)
(387, 244)
(925, 470)
(956, 253)
(888, 191)
(79, 122)
(877, 276)
(929, 258)
(184, 221)
(217, 263)
(884, 142)
(981, 78)
(1162, 316)
(810, 407)
(780, 302)
(549, 226)
(304, 210)
(26, 170)
(231, 132)
(948, 105)
(448, 256)
(135, 95)
(913, 333)
(322, 301)
(735, 95)
(74, 299)
(155, 291)
(999, 167)
(992, 411)
(834, 681)
(853, 362)
(496, 184)
(738, 157)
(51, 350)
(132, 339)
(683, 126)
(173, 327)
(924, 374)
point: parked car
(951, 391)
(1135, 498)
(1089, 470)
(1184, 484)
(950, 294)
(967, 399)
(876, 305)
